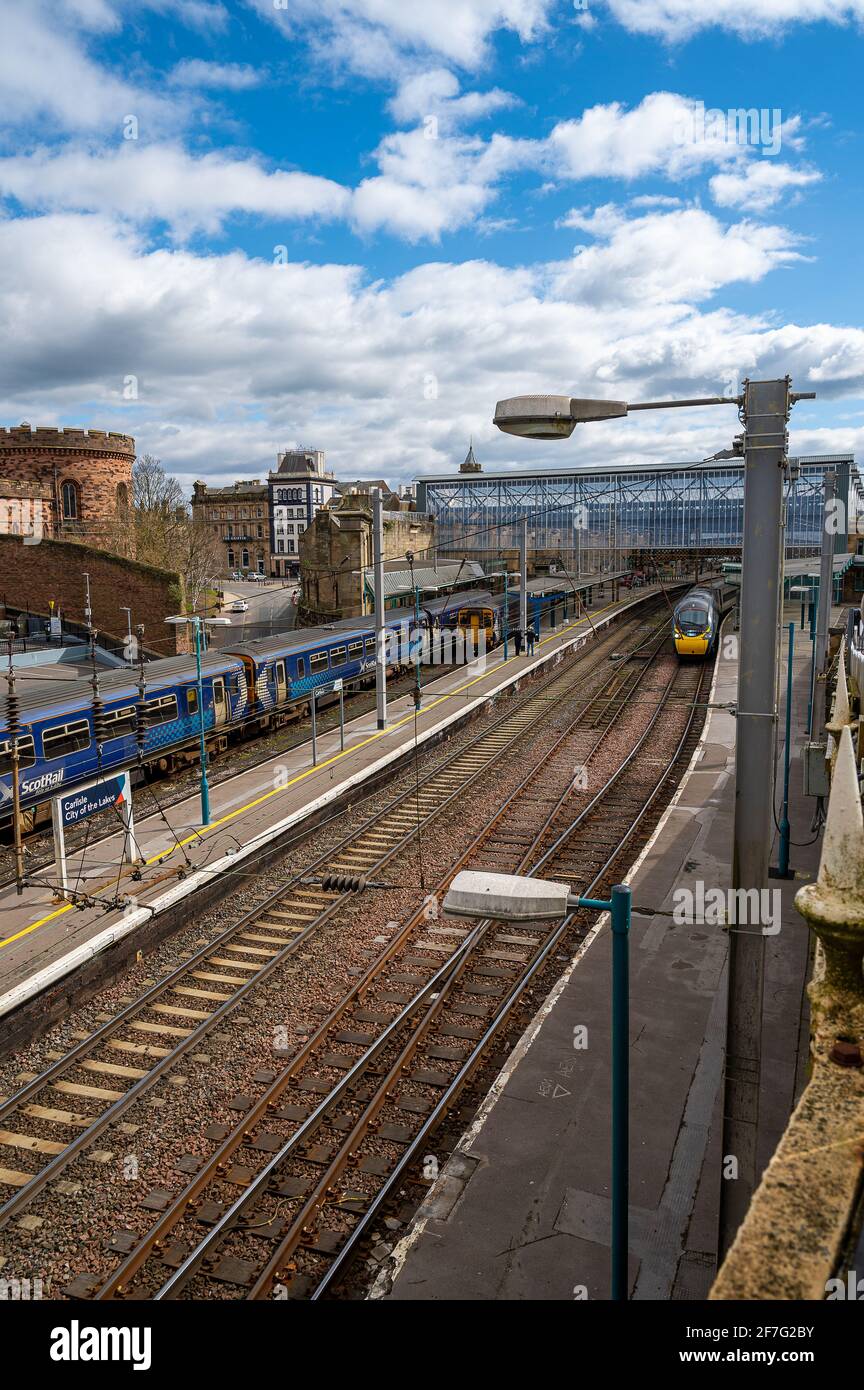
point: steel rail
(114, 1285)
(315, 1199)
(341, 1258)
(22, 1197)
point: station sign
(72, 807)
(90, 800)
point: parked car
(239, 606)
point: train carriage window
(370, 646)
(63, 739)
(355, 651)
(301, 668)
(192, 701)
(26, 754)
(318, 662)
(337, 656)
(119, 722)
(160, 711)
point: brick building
(74, 484)
(239, 518)
(336, 553)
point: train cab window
(26, 754)
(318, 662)
(161, 710)
(301, 667)
(119, 722)
(355, 651)
(65, 738)
(192, 701)
(337, 656)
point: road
(271, 610)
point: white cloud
(46, 73)
(164, 183)
(680, 19)
(760, 185)
(234, 77)
(663, 258)
(435, 92)
(662, 135)
(376, 37)
(235, 357)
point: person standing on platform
(529, 637)
(517, 638)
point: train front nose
(691, 646)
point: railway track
(286, 1196)
(242, 757)
(112, 1068)
(284, 1201)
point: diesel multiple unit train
(65, 739)
(696, 618)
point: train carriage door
(220, 704)
(281, 683)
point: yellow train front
(696, 623)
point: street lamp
(198, 624)
(130, 649)
(512, 898)
(555, 417)
(764, 408)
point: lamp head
(552, 417)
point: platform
(44, 940)
(521, 1209)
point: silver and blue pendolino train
(697, 617)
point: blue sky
(354, 224)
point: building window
(245, 559)
(260, 532)
(122, 498)
(280, 547)
(70, 502)
(230, 559)
(290, 547)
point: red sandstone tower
(81, 480)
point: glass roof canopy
(696, 506)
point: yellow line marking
(301, 776)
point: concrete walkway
(522, 1208)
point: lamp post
(764, 408)
(512, 898)
(198, 624)
(130, 646)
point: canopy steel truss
(594, 515)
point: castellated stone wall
(87, 474)
(33, 574)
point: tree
(165, 533)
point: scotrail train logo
(43, 783)
(77, 1343)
